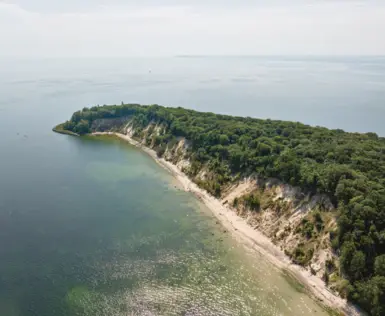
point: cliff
(299, 223)
(318, 194)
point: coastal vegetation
(61, 130)
(349, 168)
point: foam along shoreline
(248, 236)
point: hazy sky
(173, 27)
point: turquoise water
(95, 227)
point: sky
(120, 28)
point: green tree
(357, 265)
(379, 265)
(82, 127)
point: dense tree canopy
(348, 167)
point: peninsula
(311, 199)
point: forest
(348, 167)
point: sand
(249, 236)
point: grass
(59, 129)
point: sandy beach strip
(249, 236)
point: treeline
(348, 167)
(81, 121)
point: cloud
(124, 28)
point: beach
(248, 236)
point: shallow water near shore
(115, 236)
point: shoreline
(60, 130)
(250, 237)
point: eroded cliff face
(111, 124)
(300, 223)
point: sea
(94, 227)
